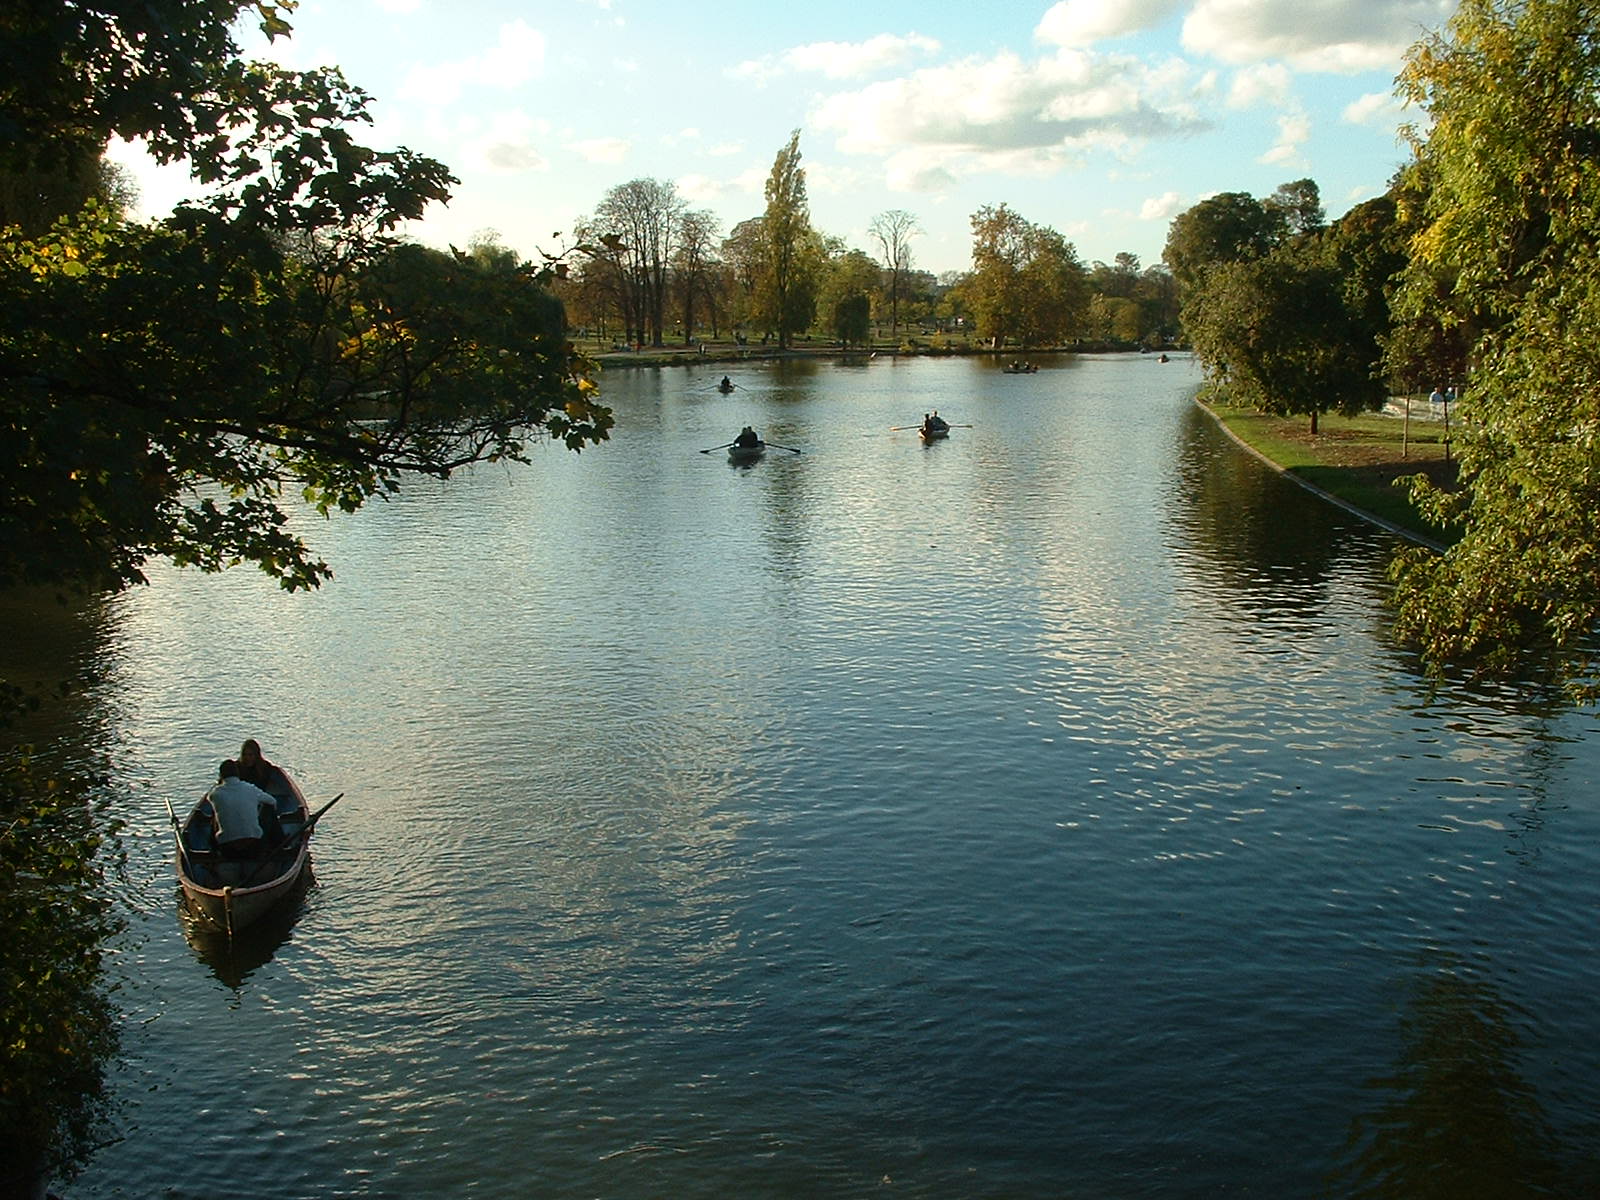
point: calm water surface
(1045, 812)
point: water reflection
(1247, 527)
(975, 818)
(233, 960)
(1455, 1119)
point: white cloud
(601, 150)
(505, 143)
(1008, 115)
(398, 6)
(1264, 84)
(840, 60)
(516, 57)
(1312, 35)
(1083, 22)
(1294, 130)
(1375, 108)
(1161, 208)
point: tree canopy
(790, 257)
(1506, 244)
(1028, 284)
(171, 386)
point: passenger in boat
(747, 437)
(726, 384)
(253, 768)
(242, 815)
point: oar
(775, 446)
(298, 836)
(315, 817)
(709, 449)
(177, 833)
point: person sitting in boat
(934, 423)
(242, 815)
(747, 438)
(253, 768)
(726, 384)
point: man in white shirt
(241, 814)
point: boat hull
(934, 435)
(235, 895)
(746, 454)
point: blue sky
(1100, 118)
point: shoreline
(724, 352)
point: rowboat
(743, 455)
(1019, 368)
(932, 433)
(232, 895)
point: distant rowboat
(746, 454)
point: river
(1042, 812)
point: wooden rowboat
(234, 894)
(932, 433)
(1020, 368)
(746, 454)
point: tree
(1055, 289)
(1512, 88)
(1225, 228)
(893, 231)
(1298, 206)
(634, 234)
(1027, 282)
(1275, 330)
(849, 280)
(852, 320)
(744, 252)
(790, 263)
(58, 1024)
(694, 267)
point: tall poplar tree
(790, 283)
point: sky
(1102, 119)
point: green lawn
(1356, 459)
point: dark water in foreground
(1040, 813)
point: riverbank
(1353, 462)
(613, 355)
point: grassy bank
(1355, 460)
(609, 353)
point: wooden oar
(315, 817)
(709, 449)
(177, 833)
(289, 845)
(775, 446)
